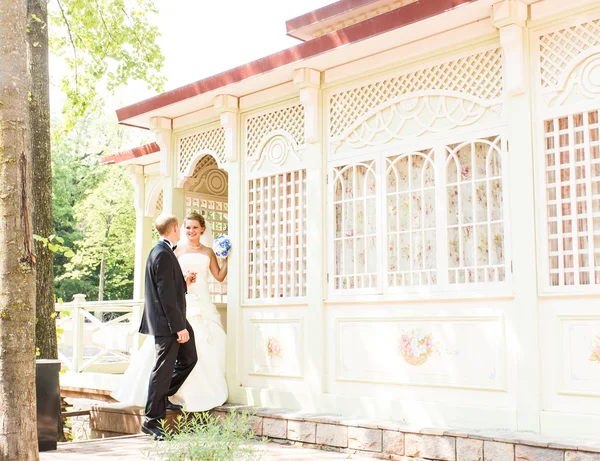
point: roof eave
(395, 19)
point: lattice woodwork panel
(572, 161)
(212, 140)
(478, 75)
(289, 119)
(215, 212)
(277, 236)
(476, 236)
(159, 204)
(355, 226)
(559, 48)
(411, 232)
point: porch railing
(98, 335)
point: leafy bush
(203, 437)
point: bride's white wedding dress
(205, 387)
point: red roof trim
(136, 152)
(403, 16)
(323, 13)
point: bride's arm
(219, 273)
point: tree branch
(70, 37)
(103, 22)
(133, 28)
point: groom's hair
(165, 222)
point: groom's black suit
(164, 316)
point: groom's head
(167, 226)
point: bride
(205, 388)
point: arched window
(410, 211)
(355, 227)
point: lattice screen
(478, 75)
(355, 226)
(559, 48)
(572, 160)
(475, 211)
(277, 236)
(289, 119)
(411, 233)
(215, 211)
(159, 204)
(213, 140)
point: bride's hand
(190, 277)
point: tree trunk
(103, 261)
(41, 164)
(46, 340)
(101, 278)
(18, 433)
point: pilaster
(510, 17)
(143, 229)
(522, 319)
(308, 83)
(173, 197)
(227, 107)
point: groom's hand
(183, 336)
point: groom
(164, 318)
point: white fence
(89, 343)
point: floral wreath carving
(416, 347)
(273, 348)
(595, 346)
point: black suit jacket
(164, 304)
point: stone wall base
(379, 439)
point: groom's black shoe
(156, 432)
(173, 406)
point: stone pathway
(129, 448)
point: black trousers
(174, 363)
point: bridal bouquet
(221, 246)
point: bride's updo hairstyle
(194, 216)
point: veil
(206, 239)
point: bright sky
(201, 38)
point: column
(227, 107)
(308, 82)
(173, 196)
(510, 18)
(143, 229)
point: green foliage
(106, 223)
(104, 44)
(203, 437)
(76, 174)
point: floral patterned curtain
(355, 237)
(475, 212)
(411, 233)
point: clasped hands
(190, 277)
(183, 336)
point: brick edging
(395, 440)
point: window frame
(443, 289)
(542, 116)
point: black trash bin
(47, 390)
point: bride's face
(193, 230)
